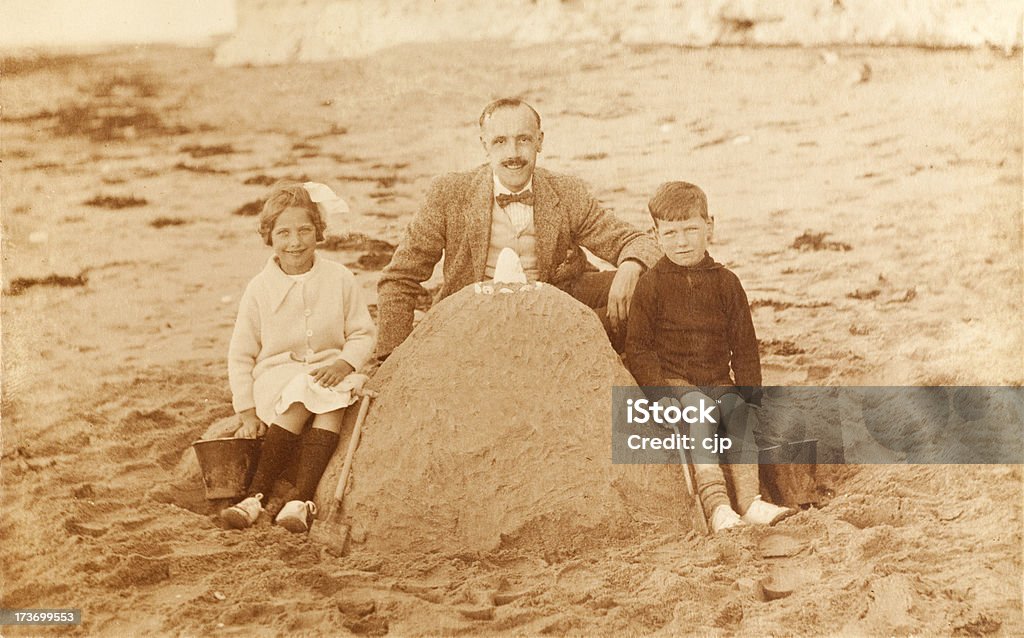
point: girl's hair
(286, 194)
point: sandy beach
(870, 199)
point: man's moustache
(509, 162)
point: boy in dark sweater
(690, 327)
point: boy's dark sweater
(692, 323)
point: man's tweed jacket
(456, 219)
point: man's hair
(285, 194)
(677, 201)
(506, 102)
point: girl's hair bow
(332, 208)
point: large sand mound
(310, 30)
(492, 428)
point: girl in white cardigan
(302, 330)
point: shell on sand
(492, 428)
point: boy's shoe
(763, 513)
(243, 514)
(723, 518)
(296, 516)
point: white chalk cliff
(280, 31)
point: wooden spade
(329, 529)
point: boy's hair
(283, 195)
(677, 201)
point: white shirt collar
(499, 188)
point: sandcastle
(492, 430)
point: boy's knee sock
(317, 449)
(278, 451)
(710, 487)
(746, 483)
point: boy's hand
(621, 293)
(251, 427)
(331, 375)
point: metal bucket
(789, 473)
(794, 452)
(227, 464)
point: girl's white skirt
(305, 390)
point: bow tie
(525, 197)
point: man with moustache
(545, 217)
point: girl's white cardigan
(286, 327)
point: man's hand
(621, 293)
(332, 375)
(251, 427)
